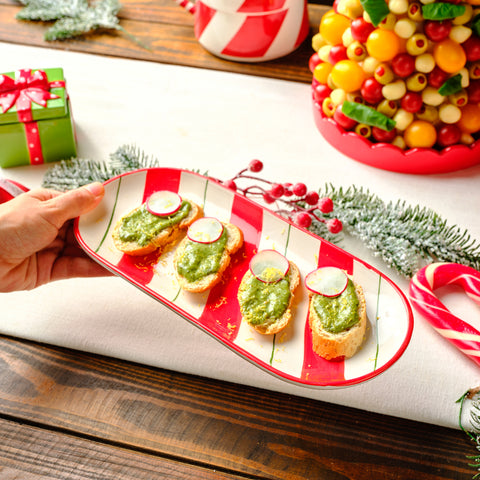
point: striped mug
(249, 30)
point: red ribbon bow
(27, 87)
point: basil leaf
(377, 10)
(368, 115)
(451, 85)
(442, 11)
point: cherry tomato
(383, 136)
(321, 92)
(313, 62)
(449, 56)
(448, 135)
(383, 44)
(372, 90)
(412, 102)
(473, 91)
(470, 120)
(420, 134)
(337, 53)
(347, 75)
(361, 29)
(437, 31)
(332, 27)
(472, 48)
(322, 71)
(403, 65)
(437, 77)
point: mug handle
(187, 5)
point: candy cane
(456, 331)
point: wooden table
(71, 415)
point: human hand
(37, 244)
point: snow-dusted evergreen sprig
(74, 17)
(76, 172)
(405, 237)
(49, 10)
(473, 431)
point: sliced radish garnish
(164, 203)
(327, 281)
(269, 266)
(205, 230)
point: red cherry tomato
(313, 62)
(371, 90)
(437, 77)
(344, 121)
(403, 65)
(321, 92)
(412, 102)
(448, 135)
(472, 48)
(383, 136)
(437, 30)
(473, 91)
(361, 29)
(337, 53)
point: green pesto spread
(141, 226)
(263, 303)
(201, 259)
(338, 313)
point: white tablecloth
(218, 122)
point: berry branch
(292, 201)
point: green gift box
(36, 124)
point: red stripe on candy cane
(459, 333)
(189, 6)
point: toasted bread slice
(164, 238)
(274, 325)
(234, 242)
(344, 344)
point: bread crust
(166, 237)
(234, 243)
(336, 345)
(284, 320)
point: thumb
(75, 202)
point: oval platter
(288, 355)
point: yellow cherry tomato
(348, 75)
(420, 134)
(449, 55)
(470, 120)
(322, 71)
(332, 27)
(383, 44)
(473, 2)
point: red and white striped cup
(249, 30)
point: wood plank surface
(230, 428)
(167, 30)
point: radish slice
(164, 203)
(269, 266)
(327, 281)
(205, 230)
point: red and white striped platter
(287, 355)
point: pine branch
(48, 10)
(76, 172)
(74, 17)
(101, 15)
(405, 237)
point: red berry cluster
(299, 204)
